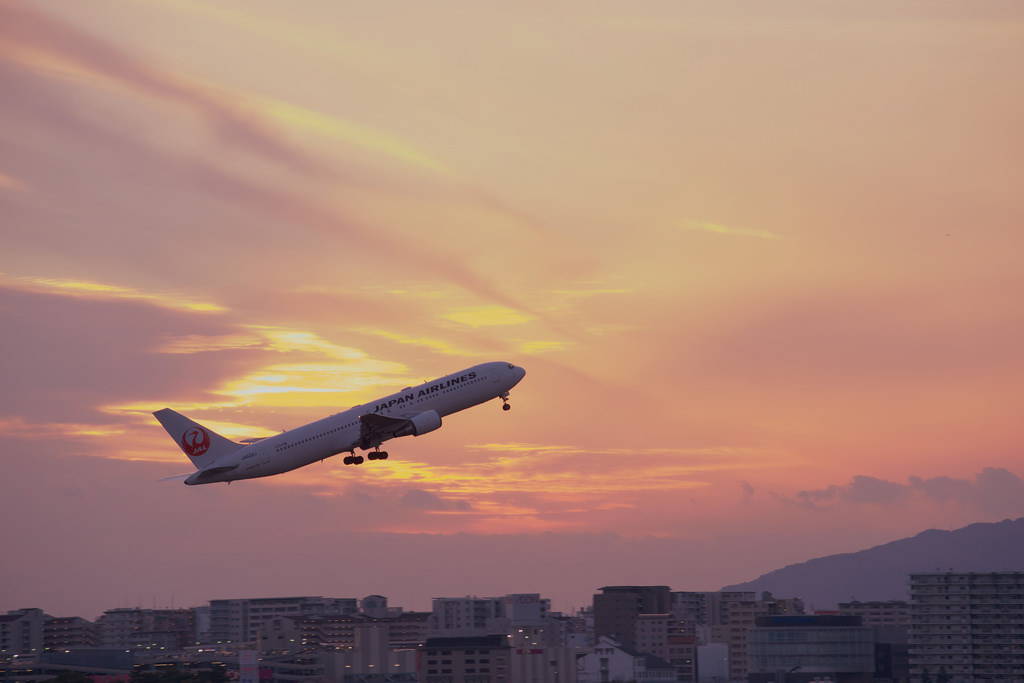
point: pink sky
(761, 261)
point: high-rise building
(966, 627)
(616, 609)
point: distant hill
(880, 573)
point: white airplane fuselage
(412, 411)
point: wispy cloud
(432, 343)
(487, 316)
(718, 229)
(98, 290)
(50, 47)
(33, 38)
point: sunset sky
(762, 262)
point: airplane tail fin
(202, 446)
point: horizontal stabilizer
(178, 477)
(215, 470)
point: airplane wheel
(372, 455)
(506, 407)
(347, 460)
(358, 460)
(383, 455)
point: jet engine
(426, 421)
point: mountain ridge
(881, 572)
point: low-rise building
(611, 661)
(810, 648)
(472, 659)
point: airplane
(411, 411)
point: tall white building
(966, 627)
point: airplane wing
(378, 428)
(382, 424)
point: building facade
(883, 613)
(473, 616)
(810, 648)
(65, 633)
(240, 621)
(146, 629)
(473, 659)
(339, 631)
(966, 627)
(616, 609)
(21, 632)
(731, 616)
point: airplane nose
(519, 373)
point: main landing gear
(375, 454)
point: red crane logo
(195, 442)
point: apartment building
(338, 631)
(473, 616)
(240, 620)
(132, 628)
(65, 633)
(966, 627)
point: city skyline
(760, 263)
